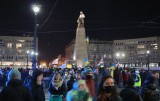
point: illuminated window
(9, 45)
(20, 40)
(140, 46)
(18, 45)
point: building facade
(133, 52)
(128, 52)
(16, 51)
(96, 50)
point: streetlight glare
(117, 54)
(123, 55)
(148, 51)
(36, 8)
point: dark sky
(105, 20)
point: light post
(36, 9)
(148, 52)
(27, 59)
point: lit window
(18, 45)
(9, 45)
(140, 46)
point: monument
(80, 48)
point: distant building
(133, 52)
(13, 51)
(128, 52)
(96, 50)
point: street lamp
(27, 59)
(148, 52)
(36, 9)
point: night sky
(105, 20)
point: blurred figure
(57, 86)
(149, 91)
(79, 92)
(96, 78)
(36, 86)
(28, 79)
(89, 79)
(14, 89)
(107, 90)
(137, 80)
(130, 93)
(70, 83)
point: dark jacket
(130, 94)
(60, 91)
(151, 93)
(36, 90)
(15, 91)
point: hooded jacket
(15, 90)
(37, 90)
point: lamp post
(27, 59)
(36, 9)
(148, 52)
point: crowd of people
(79, 84)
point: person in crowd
(130, 93)
(79, 92)
(28, 79)
(57, 86)
(137, 80)
(96, 78)
(77, 76)
(156, 79)
(143, 75)
(70, 83)
(36, 86)
(116, 75)
(14, 89)
(149, 91)
(89, 79)
(107, 90)
(66, 77)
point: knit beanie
(14, 74)
(87, 70)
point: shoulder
(119, 98)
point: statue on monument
(81, 19)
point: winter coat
(130, 94)
(15, 91)
(91, 86)
(60, 91)
(151, 93)
(36, 89)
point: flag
(100, 62)
(87, 40)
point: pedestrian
(57, 86)
(79, 92)
(14, 89)
(28, 79)
(130, 93)
(107, 90)
(36, 86)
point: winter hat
(87, 70)
(78, 83)
(14, 74)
